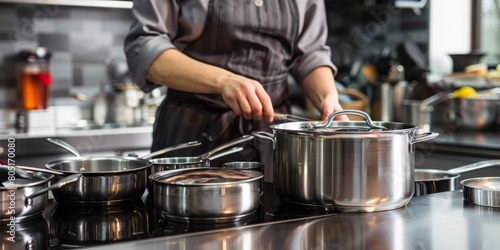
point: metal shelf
(121, 4)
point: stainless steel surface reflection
(28, 234)
(78, 226)
(436, 221)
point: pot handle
(171, 148)
(229, 144)
(421, 138)
(474, 166)
(265, 136)
(364, 115)
(66, 180)
(224, 153)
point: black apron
(256, 42)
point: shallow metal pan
(428, 181)
(482, 191)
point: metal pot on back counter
(345, 166)
(453, 111)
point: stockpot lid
(204, 176)
(333, 127)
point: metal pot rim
(44, 178)
(343, 127)
(156, 177)
(468, 183)
(187, 160)
(145, 164)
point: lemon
(465, 92)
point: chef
(226, 65)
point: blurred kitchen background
(391, 55)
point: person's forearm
(319, 87)
(178, 71)
(318, 84)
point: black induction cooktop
(63, 226)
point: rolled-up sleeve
(151, 32)
(311, 50)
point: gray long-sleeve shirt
(160, 25)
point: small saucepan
(206, 195)
(203, 160)
(106, 180)
(482, 191)
(428, 181)
(23, 197)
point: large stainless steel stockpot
(206, 195)
(13, 201)
(429, 181)
(104, 181)
(345, 166)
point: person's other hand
(247, 97)
(330, 105)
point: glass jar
(34, 78)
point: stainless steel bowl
(206, 195)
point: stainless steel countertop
(437, 221)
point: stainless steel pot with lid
(345, 166)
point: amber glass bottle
(34, 78)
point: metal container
(429, 181)
(483, 191)
(105, 180)
(478, 113)
(206, 195)
(203, 160)
(244, 165)
(413, 112)
(13, 201)
(345, 166)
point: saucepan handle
(265, 136)
(421, 138)
(66, 180)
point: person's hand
(247, 97)
(330, 105)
